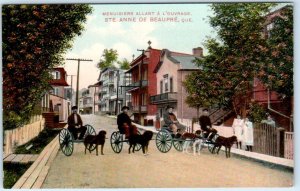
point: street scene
(157, 170)
(202, 93)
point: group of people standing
(243, 130)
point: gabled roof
(62, 80)
(185, 60)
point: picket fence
(267, 139)
(19, 136)
(289, 145)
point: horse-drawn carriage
(66, 140)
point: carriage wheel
(90, 131)
(66, 142)
(178, 144)
(116, 143)
(163, 141)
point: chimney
(198, 52)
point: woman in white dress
(248, 134)
(237, 126)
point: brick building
(143, 85)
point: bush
(12, 172)
(257, 112)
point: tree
(34, 39)
(108, 58)
(235, 57)
(124, 64)
(278, 74)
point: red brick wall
(152, 90)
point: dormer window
(56, 75)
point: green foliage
(108, 58)
(256, 112)
(12, 172)
(124, 64)
(235, 57)
(278, 74)
(34, 39)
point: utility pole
(77, 88)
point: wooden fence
(268, 140)
(19, 136)
(289, 145)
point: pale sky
(127, 37)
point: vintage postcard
(152, 95)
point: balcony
(135, 109)
(110, 83)
(88, 105)
(136, 85)
(103, 91)
(170, 97)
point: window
(161, 87)
(161, 112)
(166, 82)
(56, 75)
(270, 27)
(171, 84)
(55, 91)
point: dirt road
(157, 170)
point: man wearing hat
(172, 122)
(206, 125)
(124, 123)
(75, 124)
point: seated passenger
(75, 124)
(172, 122)
(206, 125)
(124, 123)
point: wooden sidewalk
(37, 172)
(20, 158)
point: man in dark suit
(206, 125)
(75, 124)
(124, 123)
(172, 122)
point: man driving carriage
(172, 122)
(75, 124)
(124, 123)
(206, 125)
